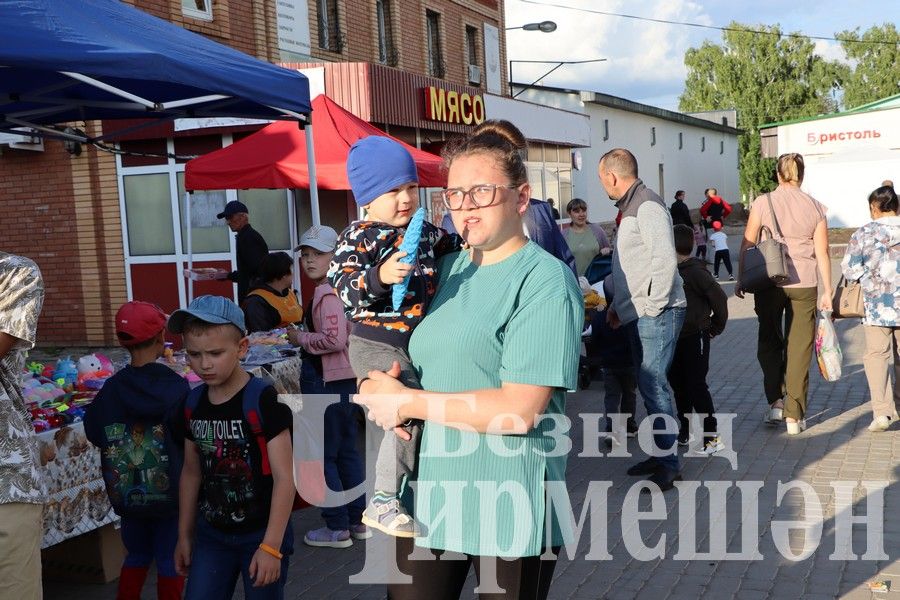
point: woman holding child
(497, 350)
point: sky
(645, 60)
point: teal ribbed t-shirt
(516, 321)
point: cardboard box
(95, 557)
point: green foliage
(766, 78)
(877, 71)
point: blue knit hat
(377, 165)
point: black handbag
(765, 263)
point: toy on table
(35, 368)
(409, 245)
(169, 353)
(66, 370)
(93, 371)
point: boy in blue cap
(237, 483)
(366, 264)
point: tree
(877, 71)
(766, 77)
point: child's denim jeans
(218, 558)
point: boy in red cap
(719, 241)
(130, 421)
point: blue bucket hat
(217, 310)
(377, 165)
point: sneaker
(360, 532)
(795, 427)
(774, 415)
(684, 437)
(631, 428)
(710, 447)
(389, 517)
(882, 423)
(645, 467)
(328, 538)
(664, 478)
(731, 278)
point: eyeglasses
(482, 195)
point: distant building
(847, 155)
(674, 151)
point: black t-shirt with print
(235, 495)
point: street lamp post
(557, 63)
(544, 26)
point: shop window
(387, 53)
(703, 143)
(330, 37)
(433, 43)
(536, 153)
(473, 70)
(653, 136)
(148, 212)
(680, 140)
(269, 216)
(197, 9)
(209, 234)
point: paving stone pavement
(835, 448)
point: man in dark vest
(251, 247)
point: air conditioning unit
(475, 74)
(24, 141)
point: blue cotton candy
(410, 245)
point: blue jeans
(218, 558)
(147, 540)
(344, 468)
(652, 341)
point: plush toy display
(66, 370)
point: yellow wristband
(270, 550)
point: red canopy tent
(275, 156)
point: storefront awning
(275, 156)
(66, 60)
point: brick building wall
(63, 210)
(358, 25)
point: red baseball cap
(137, 322)
(717, 225)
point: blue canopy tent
(79, 60)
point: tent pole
(313, 183)
(187, 221)
(295, 237)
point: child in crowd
(131, 422)
(719, 241)
(706, 316)
(366, 264)
(700, 239)
(326, 370)
(237, 484)
(619, 381)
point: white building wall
(690, 168)
(845, 160)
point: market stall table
(70, 466)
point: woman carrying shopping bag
(787, 311)
(873, 258)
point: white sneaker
(710, 447)
(774, 416)
(882, 423)
(793, 428)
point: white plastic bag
(828, 350)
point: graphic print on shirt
(136, 466)
(229, 494)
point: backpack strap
(253, 416)
(191, 402)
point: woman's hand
(392, 270)
(383, 395)
(264, 568)
(825, 301)
(605, 251)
